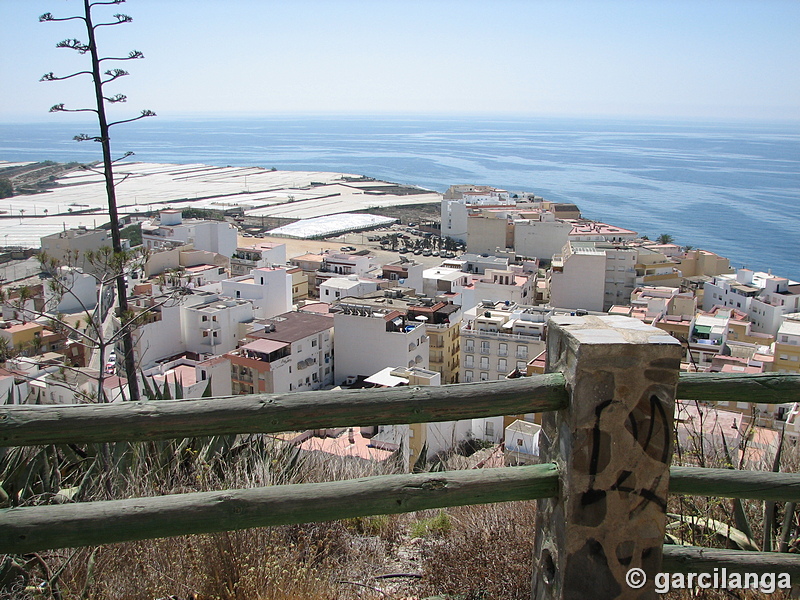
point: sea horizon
(729, 186)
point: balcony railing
(522, 337)
(609, 400)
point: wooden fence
(606, 444)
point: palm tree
(665, 238)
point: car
(110, 368)
(112, 358)
(348, 248)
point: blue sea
(732, 188)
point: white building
(522, 442)
(341, 287)
(577, 277)
(211, 376)
(264, 254)
(292, 352)
(69, 247)
(765, 298)
(269, 289)
(171, 230)
(369, 339)
(513, 286)
(457, 203)
(541, 238)
(444, 281)
(74, 291)
(201, 322)
(592, 276)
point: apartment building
(171, 230)
(513, 285)
(441, 319)
(577, 277)
(75, 291)
(443, 326)
(336, 288)
(444, 282)
(406, 272)
(292, 352)
(263, 254)
(201, 322)
(186, 377)
(592, 275)
(765, 298)
(497, 339)
(456, 209)
(70, 247)
(269, 289)
(309, 264)
(653, 268)
(369, 339)
(787, 345)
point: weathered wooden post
(613, 447)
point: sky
(729, 59)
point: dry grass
(475, 552)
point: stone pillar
(613, 448)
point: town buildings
(242, 326)
(292, 352)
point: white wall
(540, 239)
(363, 346)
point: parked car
(348, 248)
(110, 368)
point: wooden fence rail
(272, 413)
(29, 529)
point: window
(313, 343)
(484, 362)
(204, 318)
(503, 350)
(205, 334)
(469, 360)
(521, 365)
(470, 346)
(489, 428)
(484, 376)
(214, 318)
(502, 365)
(522, 352)
(519, 442)
(468, 376)
(484, 347)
